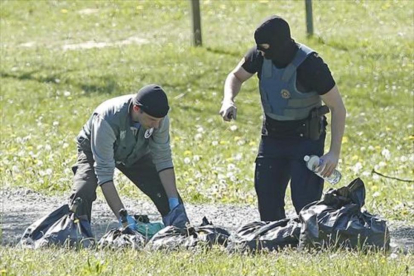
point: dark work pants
(143, 174)
(278, 162)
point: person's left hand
(329, 163)
(132, 223)
(176, 217)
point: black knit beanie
(152, 100)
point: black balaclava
(275, 31)
(152, 100)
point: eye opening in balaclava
(275, 31)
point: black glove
(177, 217)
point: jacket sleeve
(159, 145)
(102, 145)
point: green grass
(48, 93)
(216, 262)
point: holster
(313, 126)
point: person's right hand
(228, 110)
(176, 217)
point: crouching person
(130, 133)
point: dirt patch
(21, 207)
(94, 44)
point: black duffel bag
(204, 236)
(62, 227)
(338, 221)
(265, 235)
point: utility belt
(311, 127)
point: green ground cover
(50, 85)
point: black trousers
(143, 174)
(280, 161)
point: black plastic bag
(61, 227)
(338, 221)
(122, 238)
(172, 238)
(265, 235)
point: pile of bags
(337, 220)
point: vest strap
(267, 68)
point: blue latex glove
(177, 217)
(132, 223)
(173, 202)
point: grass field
(60, 59)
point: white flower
(200, 129)
(187, 160)
(386, 153)
(238, 157)
(196, 158)
(66, 93)
(382, 164)
(55, 123)
(366, 173)
(48, 148)
(198, 136)
(214, 143)
(231, 167)
(357, 167)
(233, 128)
(65, 145)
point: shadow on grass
(224, 52)
(102, 85)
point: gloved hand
(132, 223)
(228, 110)
(177, 217)
(173, 202)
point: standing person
(130, 133)
(293, 82)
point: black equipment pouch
(314, 124)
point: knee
(85, 193)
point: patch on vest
(285, 94)
(148, 133)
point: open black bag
(265, 235)
(123, 237)
(173, 238)
(61, 227)
(338, 221)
